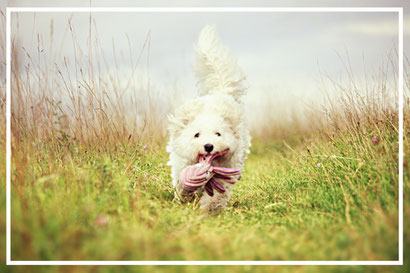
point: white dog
(211, 123)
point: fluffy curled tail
(215, 68)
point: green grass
(317, 199)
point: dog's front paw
(184, 196)
(214, 204)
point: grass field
(316, 199)
(118, 206)
(91, 183)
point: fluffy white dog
(211, 123)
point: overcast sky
(280, 52)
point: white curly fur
(215, 68)
(218, 109)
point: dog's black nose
(208, 147)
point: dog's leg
(216, 203)
(183, 195)
(178, 164)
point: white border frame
(9, 10)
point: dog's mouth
(214, 154)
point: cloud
(387, 27)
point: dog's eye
(196, 135)
(218, 134)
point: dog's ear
(176, 125)
(183, 116)
(233, 117)
(230, 111)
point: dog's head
(205, 126)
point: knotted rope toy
(203, 173)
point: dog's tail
(215, 68)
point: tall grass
(91, 99)
(86, 98)
(2, 77)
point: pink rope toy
(203, 173)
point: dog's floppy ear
(230, 111)
(183, 116)
(176, 125)
(233, 117)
